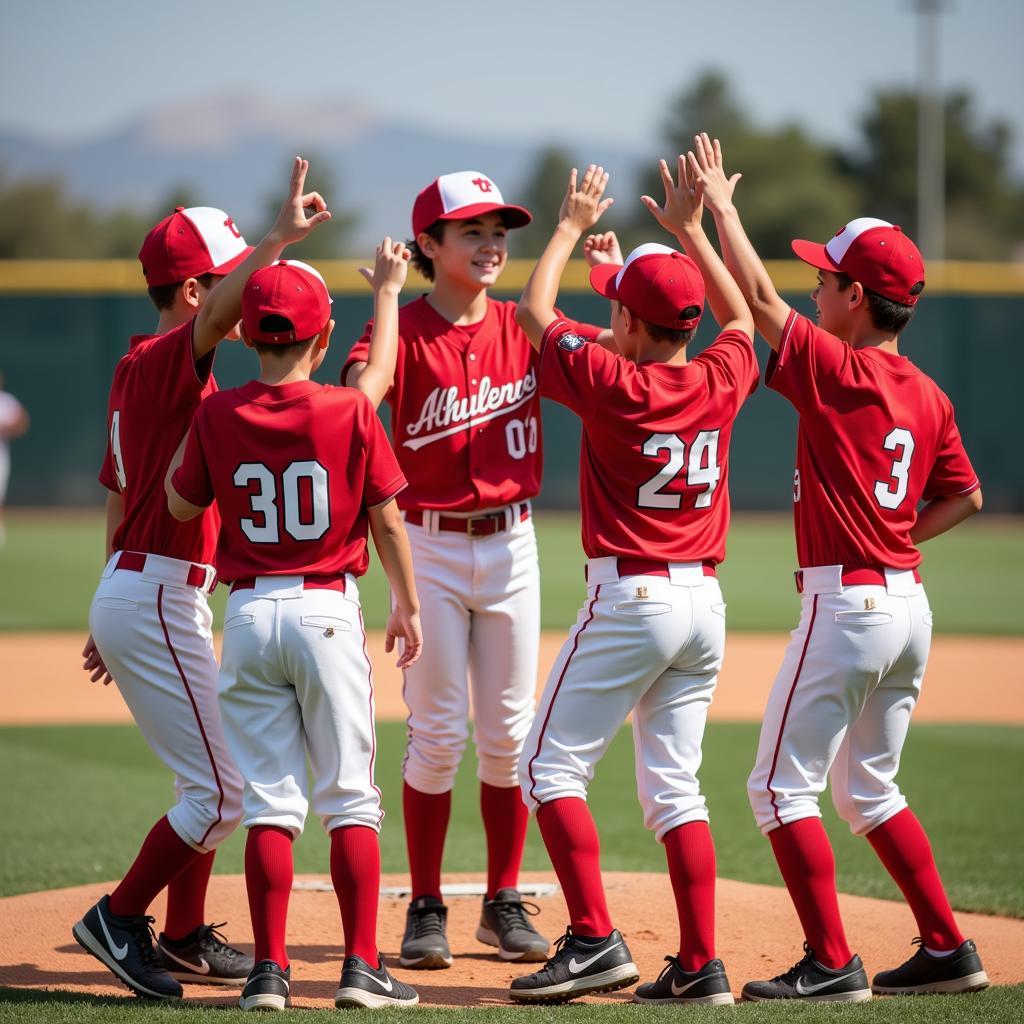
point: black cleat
(707, 987)
(204, 958)
(425, 944)
(504, 923)
(125, 946)
(814, 983)
(925, 974)
(371, 987)
(578, 968)
(267, 987)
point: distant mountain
(231, 151)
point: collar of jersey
(891, 361)
(254, 391)
(469, 330)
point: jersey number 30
(263, 527)
(702, 468)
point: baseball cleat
(267, 987)
(813, 983)
(707, 987)
(504, 923)
(371, 987)
(578, 968)
(125, 946)
(925, 974)
(204, 958)
(425, 944)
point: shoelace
(793, 973)
(145, 940)
(560, 953)
(670, 962)
(514, 912)
(210, 939)
(428, 920)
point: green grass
(101, 785)
(51, 563)
(994, 1006)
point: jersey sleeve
(584, 330)
(170, 371)
(808, 366)
(731, 357)
(107, 475)
(192, 478)
(574, 371)
(384, 479)
(952, 472)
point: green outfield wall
(64, 326)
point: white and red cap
(873, 252)
(460, 196)
(190, 243)
(289, 289)
(658, 284)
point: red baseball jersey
(293, 468)
(876, 436)
(156, 390)
(654, 458)
(465, 410)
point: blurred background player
(876, 437)
(465, 425)
(149, 620)
(13, 423)
(650, 637)
(299, 471)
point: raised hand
(390, 268)
(292, 224)
(684, 199)
(602, 248)
(582, 207)
(705, 163)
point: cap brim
(602, 279)
(233, 263)
(515, 216)
(815, 254)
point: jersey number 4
(701, 469)
(901, 441)
(263, 527)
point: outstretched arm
(375, 377)
(223, 307)
(768, 308)
(581, 209)
(681, 216)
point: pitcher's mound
(758, 936)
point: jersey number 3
(702, 468)
(901, 441)
(263, 527)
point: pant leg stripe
(373, 724)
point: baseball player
(876, 437)
(14, 422)
(465, 422)
(650, 637)
(149, 620)
(299, 471)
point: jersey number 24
(701, 469)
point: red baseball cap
(460, 196)
(288, 289)
(189, 243)
(658, 284)
(874, 252)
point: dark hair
(277, 324)
(885, 314)
(671, 335)
(163, 295)
(422, 263)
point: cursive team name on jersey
(445, 413)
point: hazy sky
(529, 69)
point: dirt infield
(970, 679)
(757, 929)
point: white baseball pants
(295, 679)
(480, 610)
(841, 703)
(153, 632)
(652, 645)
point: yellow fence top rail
(78, 277)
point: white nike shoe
(371, 987)
(707, 987)
(813, 982)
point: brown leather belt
(476, 526)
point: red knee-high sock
(426, 824)
(809, 870)
(186, 898)
(902, 846)
(575, 851)
(505, 819)
(355, 872)
(268, 881)
(691, 866)
(164, 855)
